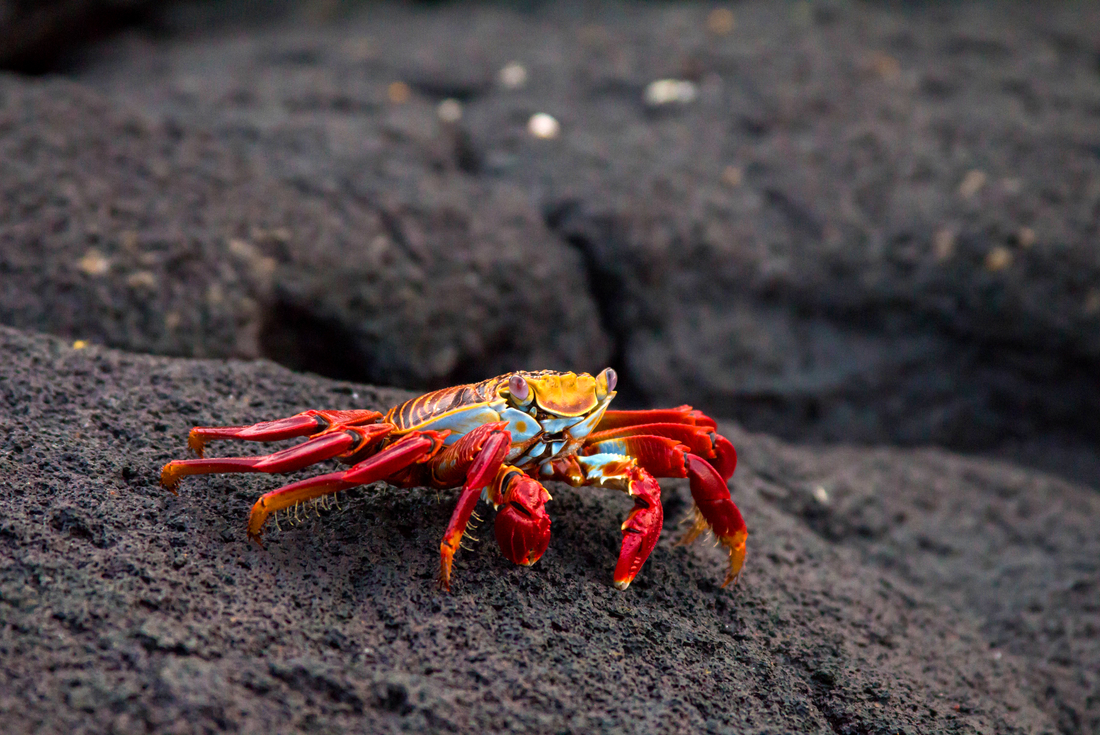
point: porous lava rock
(156, 236)
(861, 222)
(126, 608)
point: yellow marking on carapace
(564, 394)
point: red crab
(494, 438)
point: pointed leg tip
(731, 579)
(169, 480)
(196, 443)
(622, 584)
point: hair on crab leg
(394, 458)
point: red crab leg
(642, 527)
(409, 450)
(477, 458)
(693, 428)
(306, 423)
(326, 446)
(679, 415)
(666, 457)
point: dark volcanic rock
(36, 34)
(871, 222)
(156, 237)
(125, 608)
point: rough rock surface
(157, 237)
(871, 222)
(124, 608)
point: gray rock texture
(869, 222)
(154, 236)
(882, 608)
(861, 223)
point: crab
(499, 440)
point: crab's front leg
(642, 527)
(477, 461)
(681, 442)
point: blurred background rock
(832, 221)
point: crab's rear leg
(673, 450)
(306, 423)
(341, 442)
(409, 450)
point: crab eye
(519, 389)
(611, 378)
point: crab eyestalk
(522, 525)
(605, 383)
(519, 390)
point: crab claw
(523, 525)
(641, 528)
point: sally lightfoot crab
(500, 439)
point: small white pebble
(821, 495)
(543, 126)
(670, 91)
(513, 75)
(449, 110)
(997, 655)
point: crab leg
(666, 456)
(331, 444)
(679, 415)
(306, 423)
(477, 457)
(409, 450)
(692, 428)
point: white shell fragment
(543, 126)
(449, 110)
(670, 91)
(513, 75)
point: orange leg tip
(169, 478)
(698, 525)
(256, 519)
(195, 442)
(736, 546)
(622, 584)
(446, 562)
